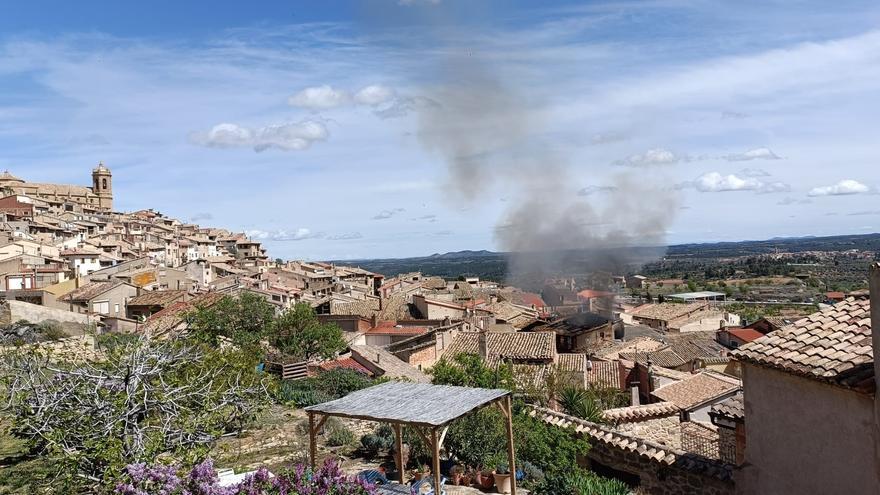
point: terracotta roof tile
(732, 408)
(510, 345)
(641, 412)
(697, 389)
(831, 345)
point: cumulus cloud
(386, 214)
(300, 234)
(291, 136)
(842, 188)
(753, 154)
(754, 172)
(320, 98)
(717, 182)
(656, 156)
(593, 189)
(374, 95)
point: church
(99, 197)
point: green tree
(244, 319)
(692, 286)
(469, 370)
(298, 333)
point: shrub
(328, 385)
(338, 434)
(579, 482)
(380, 440)
(51, 330)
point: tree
(299, 333)
(244, 319)
(692, 286)
(469, 370)
(146, 399)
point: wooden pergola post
(313, 441)
(435, 445)
(398, 440)
(511, 454)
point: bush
(338, 434)
(579, 482)
(51, 330)
(551, 448)
(328, 385)
(380, 440)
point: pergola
(427, 409)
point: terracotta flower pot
(485, 480)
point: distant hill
(493, 265)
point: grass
(21, 473)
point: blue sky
(388, 128)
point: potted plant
(422, 472)
(467, 477)
(502, 474)
(455, 474)
(484, 479)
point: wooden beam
(435, 445)
(443, 434)
(423, 436)
(321, 424)
(398, 440)
(511, 455)
(313, 441)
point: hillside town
(672, 396)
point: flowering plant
(140, 479)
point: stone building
(98, 197)
(811, 415)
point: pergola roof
(411, 403)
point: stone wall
(656, 478)
(12, 311)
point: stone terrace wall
(655, 478)
(13, 311)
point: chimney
(483, 345)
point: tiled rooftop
(697, 389)
(731, 408)
(832, 345)
(641, 412)
(604, 374)
(512, 345)
(667, 311)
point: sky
(313, 126)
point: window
(103, 183)
(116, 308)
(102, 307)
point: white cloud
(319, 98)
(716, 182)
(386, 214)
(347, 236)
(300, 234)
(753, 154)
(374, 95)
(793, 201)
(292, 136)
(754, 172)
(842, 188)
(656, 156)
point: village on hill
(673, 394)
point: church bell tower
(102, 186)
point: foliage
(337, 433)
(380, 440)
(531, 472)
(141, 479)
(328, 385)
(469, 370)
(476, 438)
(244, 319)
(551, 448)
(579, 482)
(147, 399)
(297, 332)
(579, 403)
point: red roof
(745, 334)
(590, 293)
(347, 363)
(835, 295)
(531, 299)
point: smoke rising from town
(491, 137)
